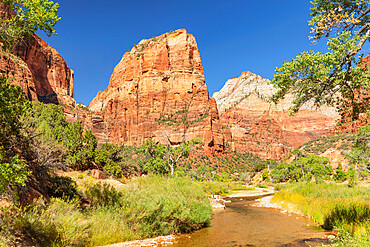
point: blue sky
(232, 35)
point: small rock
(95, 173)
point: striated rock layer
(38, 68)
(263, 128)
(158, 91)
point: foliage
(12, 106)
(352, 177)
(107, 156)
(13, 142)
(311, 166)
(19, 226)
(104, 195)
(340, 141)
(336, 206)
(229, 166)
(161, 206)
(222, 188)
(30, 16)
(62, 187)
(339, 175)
(49, 120)
(360, 154)
(146, 207)
(65, 141)
(12, 172)
(346, 214)
(154, 157)
(80, 145)
(331, 78)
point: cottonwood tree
(337, 77)
(27, 17)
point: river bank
(218, 203)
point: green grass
(338, 207)
(147, 207)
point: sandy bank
(151, 242)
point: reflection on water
(243, 225)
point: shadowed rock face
(348, 123)
(266, 129)
(38, 68)
(160, 78)
(53, 79)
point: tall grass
(146, 207)
(158, 206)
(335, 207)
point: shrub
(62, 187)
(104, 195)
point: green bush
(62, 187)
(307, 168)
(104, 195)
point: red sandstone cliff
(38, 68)
(349, 124)
(265, 129)
(160, 78)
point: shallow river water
(243, 225)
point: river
(241, 224)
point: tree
(154, 160)
(13, 143)
(335, 77)
(12, 106)
(311, 166)
(27, 17)
(80, 145)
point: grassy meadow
(337, 207)
(146, 207)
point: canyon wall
(158, 91)
(263, 128)
(38, 68)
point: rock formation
(53, 79)
(348, 123)
(38, 68)
(263, 128)
(158, 91)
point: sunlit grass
(338, 207)
(147, 207)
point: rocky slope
(158, 91)
(38, 68)
(263, 128)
